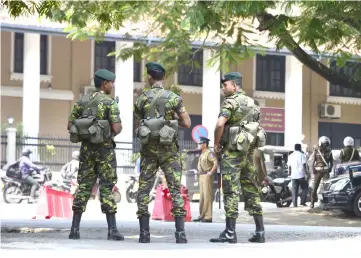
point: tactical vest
(87, 128)
(245, 132)
(154, 127)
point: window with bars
(270, 73)
(350, 70)
(101, 58)
(192, 76)
(275, 139)
(19, 53)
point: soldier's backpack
(88, 128)
(154, 126)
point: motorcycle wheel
(283, 205)
(13, 190)
(117, 196)
(131, 197)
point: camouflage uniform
(97, 160)
(238, 167)
(154, 155)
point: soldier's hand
(217, 148)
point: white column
(31, 84)
(293, 102)
(10, 145)
(124, 86)
(210, 94)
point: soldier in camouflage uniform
(237, 166)
(322, 165)
(97, 160)
(349, 153)
(155, 155)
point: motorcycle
(132, 185)
(278, 191)
(16, 190)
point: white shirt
(296, 161)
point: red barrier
(53, 203)
(163, 204)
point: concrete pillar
(124, 86)
(31, 84)
(10, 145)
(210, 94)
(293, 102)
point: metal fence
(55, 152)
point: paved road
(273, 215)
(52, 235)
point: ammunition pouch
(157, 129)
(242, 137)
(89, 129)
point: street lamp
(10, 121)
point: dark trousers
(316, 183)
(34, 185)
(296, 183)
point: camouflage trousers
(168, 159)
(238, 169)
(96, 163)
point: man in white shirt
(297, 169)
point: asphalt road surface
(43, 237)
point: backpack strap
(91, 104)
(151, 113)
(161, 101)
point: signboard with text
(273, 119)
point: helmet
(26, 152)
(323, 140)
(348, 141)
(75, 154)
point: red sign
(273, 119)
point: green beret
(105, 74)
(155, 67)
(232, 76)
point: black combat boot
(180, 234)
(74, 231)
(259, 235)
(144, 235)
(113, 233)
(229, 234)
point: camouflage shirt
(107, 110)
(173, 106)
(236, 107)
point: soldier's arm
(223, 117)
(114, 118)
(184, 119)
(263, 165)
(137, 109)
(75, 114)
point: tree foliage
(331, 29)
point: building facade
(43, 73)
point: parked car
(343, 192)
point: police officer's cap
(204, 140)
(233, 76)
(105, 74)
(153, 66)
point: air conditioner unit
(330, 111)
(86, 90)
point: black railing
(55, 152)
(3, 149)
